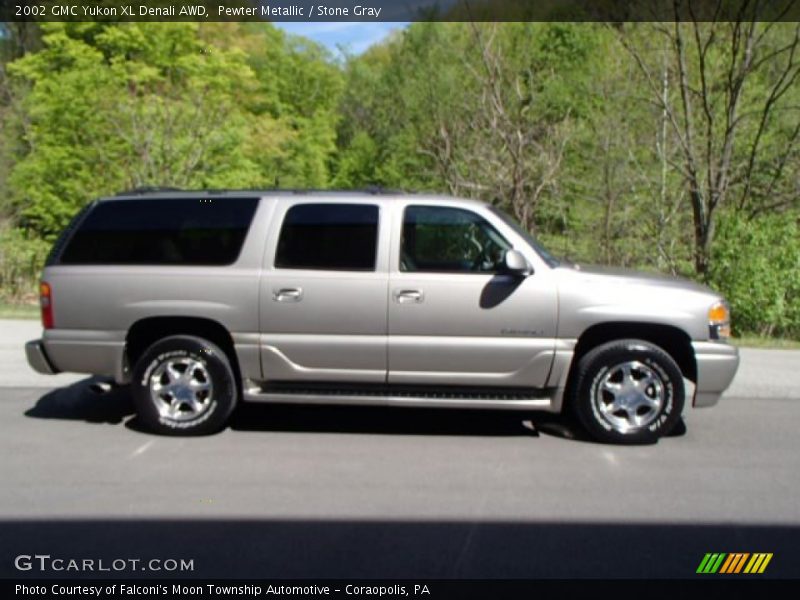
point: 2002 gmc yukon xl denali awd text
(200, 299)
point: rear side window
(339, 237)
(58, 247)
(183, 231)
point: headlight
(719, 321)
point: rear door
(323, 293)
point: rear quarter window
(165, 231)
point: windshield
(523, 233)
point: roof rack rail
(370, 189)
(154, 189)
(379, 189)
(147, 189)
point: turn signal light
(719, 321)
(718, 313)
(46, 304)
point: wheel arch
(673, 340)
(145, 332)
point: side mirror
(516, 264)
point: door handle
(287, 294)
(408, 296)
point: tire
(170, 401)
(627, 392)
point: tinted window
(66, 234)
(162, 232)
(340, 237)
(442, 239)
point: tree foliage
(727, 88)
(756, 263)
(662, 146)
(107, 107)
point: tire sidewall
(597, 363)
(224, 393)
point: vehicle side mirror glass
(516, 264)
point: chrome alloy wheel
(181, 389)
(629, 396)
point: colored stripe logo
(734, 563)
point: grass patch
(754, 341)
(19, 311)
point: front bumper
(37, 358)
(717, 363)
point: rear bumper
(37, 358)
(717, 363)
(99, 353)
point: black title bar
(399, 10)
(394, 589)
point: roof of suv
(161, 193)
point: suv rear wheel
(184, 385)
(628, 392)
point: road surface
(402, 493)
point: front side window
(551, 260)
(332, 237)
(443, 239)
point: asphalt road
(403, 493)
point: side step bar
(506, 400)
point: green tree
(733, 93)
(102, 107)
(756, 264)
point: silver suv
(201, 299)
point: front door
(454, 317)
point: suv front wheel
(628, 392)
(184, 385)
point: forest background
(658, 146)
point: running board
(505, 400)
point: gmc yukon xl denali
(201, 299)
